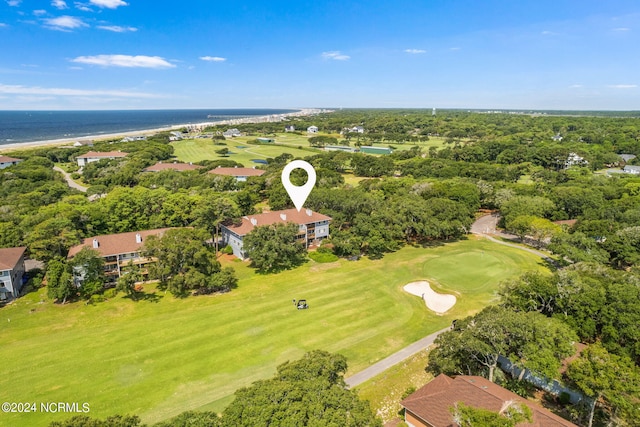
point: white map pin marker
(298, 194)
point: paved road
(395, 358)
(70, 181)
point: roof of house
(237, 171)
(432, 402)
(172, 166)
(305, 216)
(105, 154)
(114, 244)
(627, 157)
(9, 257)
(631, 168)
(6, 159)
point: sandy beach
(101, 137)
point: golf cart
(302, 304)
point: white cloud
(14, 3)
(622, 86)
(415, 51)
(455, 48)
(59, 4)
(64, 23)
(575, 86)
(549, 33)
(335, 55)
(213, 58)
(82, 6)
(128, 61)
(43, 91)
(109, 4)
(2, 24)
(621, 29)
(117, 28)
(39, 12)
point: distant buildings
(430, 406)
(266, 140)
(312, 129)
(290, 128)
(6, 161)
(117, 250)
(574, 159)
(230, 133)
(355, 129)
(160, 166)
(344, 148)
(634, 170)
(240, 174)
(11, 272)
(627, 157)
(312, 227)
(94, 156)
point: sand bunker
(440, 303)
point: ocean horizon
(23, 126)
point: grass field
(385, 391)
(157, 358)
(195, 150)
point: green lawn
(195, 150)
(159, 358)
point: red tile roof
(172, 166)
(102, 154)
(237, 171)
(6, 159)
(114, 244)
(9, 257)
(305, 216)
(432, 402)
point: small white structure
(573, 159)
(95, 156)
(290, 128)
(5, 161)
(634, 170)
(312, 129)
(232, 133)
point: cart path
(394, 359)
(70, 182)
(486, 226)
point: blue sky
(494, 54)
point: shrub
(227, 250)
(322, 257)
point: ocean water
(31, 126)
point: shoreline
(146, 132)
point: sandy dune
(440, 303)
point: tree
(127, 281)
(611, 381)
(60, 285)
(529, 340)
(274, 247)
(193, 419)
(468, 416)
(186, 263)
(86, 421)
(307, 392)
(88, 269)
(224, 152)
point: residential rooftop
(115, 244)
(105, 154)
(9, 257)
(432, 402)
(305, 216)
(237, 171)
(7, 159)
